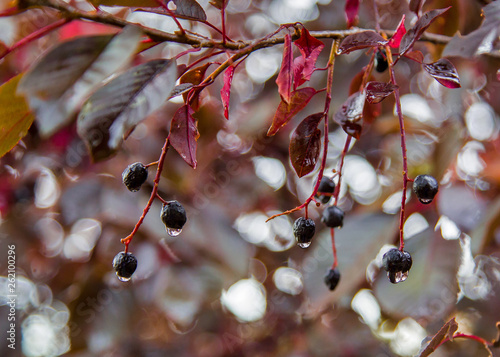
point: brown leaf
(446, 332)
(350, 115)
(444, 72)
(194, 76)
(361, 40)
(305, 145)
(286, 112)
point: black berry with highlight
(332, 279)
(134, 176)
(333, 217)
(173, 215)
(326, 186)
(380, 62)
(425, 187)
(124, 265)
(397, 263)
(303, 230)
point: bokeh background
(231, 284)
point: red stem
(403, 150)
(334, 248)
(470, 337)
(9, 12)
(223, 16)
(341, 165)
(154, 192)
(35, 35)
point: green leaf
(113, 111)
(15, 116)
(58, 84)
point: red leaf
(378, 91)
(398, 35)
(184, 133)
(305, 145)
(444, 72)
(310, 48)
(350, 115)
(285, 77)
(225, 92)
(286, 112)
(361, 40)
(416, 31)
(351, 12)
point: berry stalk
(154, 194)
(403, 148)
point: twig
(154, 195)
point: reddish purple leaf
(184, 133)
(225, 92)
(350, 115)
(304, 66)
(417, 56)
(189, 9)
(285, 77)
(444, 72)
(305, 145)
(286, 112)
(416, 31)
(351, 12)
(398, 35)
(378, 91)
(219, 4)
(361, 40)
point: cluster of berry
(396, 262)
(173, 216)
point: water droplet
(397, 277)
(425, 201)
(304, 245)
(173, 232)
(122, 278)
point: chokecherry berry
(332, 278)
(303, 230)
(425, 187)
(173, 216)
(397, 264)
(124, 265)
(327, 186)
(333, 217)
(134, 176)
(380, 62)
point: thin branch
(403, 148)
(157, 35)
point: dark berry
(425, 187)
(134, 176)
(325, 186)
(303, 230)
(173, 215)
(397, 264)
(381, 61)
(333, 217)
(332, 278)
(124, 265)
